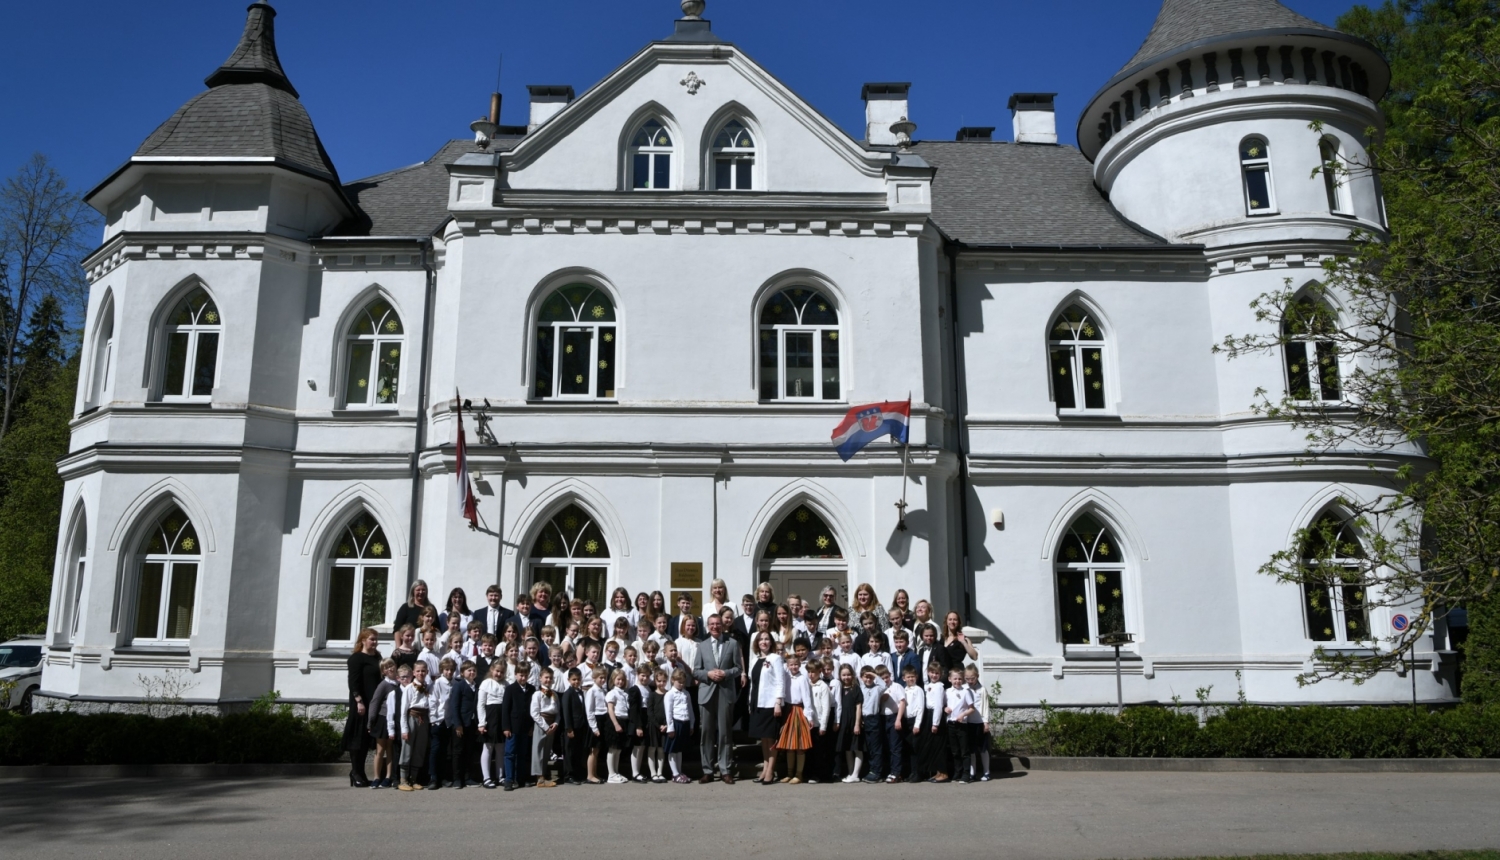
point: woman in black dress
(410, 612)
(955, 643)
(364, 677)
(767, 694)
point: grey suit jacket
(730, 661)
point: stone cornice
(139, 245)
(887, 225)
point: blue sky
(388, 81)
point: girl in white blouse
(491, 693)
(617, 703)
(416, 708)
(820, 714)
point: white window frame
(1335, 175)
(1258, 164)
(596, 338)
(652, 152)
(1089, 569)
(1310, 345)
(362, 566)
(1334, 593)
(571, 562)
(103, 357)
(194, 331)
(742, 159)
(170, 562)
(1079, 375)
(381, 342)
(781, 331)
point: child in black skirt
(848, 740)
(821, 717)
(656, 717)
(639, 698)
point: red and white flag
(466, 503)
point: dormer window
(651, 158)
(1255, 165)
(734, 158)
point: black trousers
(464, 753)
(958, 747)
(575, 756)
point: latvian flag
(865, 424)
(466, 501)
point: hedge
(252, 738)
(1259, 732)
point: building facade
(659, 298)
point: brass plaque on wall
(687, 574)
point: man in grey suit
(717, 666)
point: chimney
(547, 100)
(1034, 117)
(885, 103)
(984, 133)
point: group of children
(530, 724)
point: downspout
(961, 408)
(428, 301)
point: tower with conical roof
(1213, 131)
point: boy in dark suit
(462, 722)
(516, 723)
(575, 727)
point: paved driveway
(1042, 814)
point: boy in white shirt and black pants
(872, 724)
(959, 702)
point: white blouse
(772, 682)
(491, 692)
(822, 705)
(545, 709)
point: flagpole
(905, 444)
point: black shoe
(458, 786)
(572, 781)
(510, 786)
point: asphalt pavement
(1079, 816)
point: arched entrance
(801, 555)
(571, 553)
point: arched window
(734, 158)
(359, 576)
(1255, 166)
(802, 534)
(372, 365)
(192, 348)
(799, 346)
(651, 157)
(1333, 592)
(571, 553)
(1076, 344)
(576, 343)
(103, 357)
(75, 564)
(1334, 176)
(1090, 583)
(1312, 358)
(167, 583)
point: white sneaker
(617, 780)
(851, 778)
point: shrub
(253, 738)
(1259, 732)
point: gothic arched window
(1076, 344)
(1333, 591)
(802, 534)
(651, 157)
(1335, 176)
(191, 365)
(799, 346)
(359, 575)
(1311, 356)
(734, 158)
(167, 580)
(1090, 570)
(571, 554)
(577, 339)
(1255, 167)
(372, 356)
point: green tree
(1421, 329)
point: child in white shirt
(979, 723)
(890, 709)
(820, 714)
(597, 709)
(932, 746)
(679, 725)
(909, 723)
(958, 702)
(491, 695)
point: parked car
(21, 671)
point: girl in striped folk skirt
(796, 732)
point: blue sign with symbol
(1399, 623)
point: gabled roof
(1024, 195)
(1190, 22)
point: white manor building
(668, 291)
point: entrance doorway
(802, 556)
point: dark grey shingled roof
(250, 111)
(1186, 22)
(1023, 195)
(410, 201)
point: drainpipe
(429, 300)
(960, 406)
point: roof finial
(692, 10)
(254, 60)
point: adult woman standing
(411, 611)
(457, 602)
(864, 601)
(783, 629)
(767, 694)
(643, 610)
(902, 601)
(619, 607)
(955, 642)
(718, 598)
(364, 677)
(765, 598)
